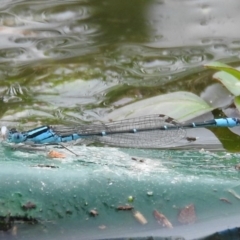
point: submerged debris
(225, 200)
(102, 227)
(139, 217)
(6, 222)
(161, 219)
(93, 213)
(29, 205)
(125, 207)
(187, 215)
(69, 212)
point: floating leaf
(224, 67)
(187, 215)
(229, 81)
(179, 105)
(162, 220)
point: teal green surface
(104, 178)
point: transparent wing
(150, 131)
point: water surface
(86, 58)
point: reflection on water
(89, 57)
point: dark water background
(87, 58)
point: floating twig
(125, 207)
(187, 215)
(225, 200)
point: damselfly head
(12, 135)
(16, 137)
(4, 132)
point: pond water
(86, 59)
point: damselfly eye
(16, 137)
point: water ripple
(50, 45)
(65, 13)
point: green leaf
(224, 67)
(237, 102)
(229, 140)
(229, 81)
(179, 105)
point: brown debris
(161, 219)
(187, 215)
(125, 207)
(29, 205)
